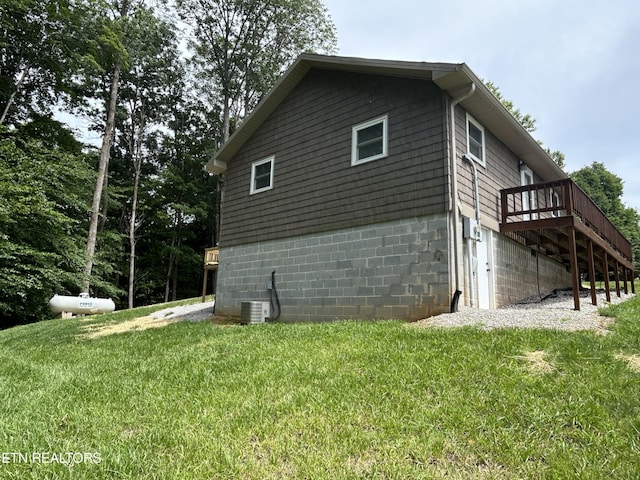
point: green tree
(241, 47)
(188, 195)
(43, 204)
(39, 54)
(110, 58)
(146, 96)
(526, 120)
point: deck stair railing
(211, 257)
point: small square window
(262, 175)
(475, 140)
(369, 141)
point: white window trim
(482, 161)
(354, 140)
(256, 164)
(528, 199)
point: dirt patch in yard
(161, 318)
(536, 362)
(137, 324)
(632, 361)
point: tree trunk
(135, 147)
(104, 209)
(13, 95)
(103, 166)
(171, 281)
(226, 120)
(167, 284)
(132, 232)
(174, 293)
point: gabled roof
(453, 78)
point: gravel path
(554, 313)
(194, 312)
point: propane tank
(82, 304)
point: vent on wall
(254, 312)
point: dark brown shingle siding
(315, 186)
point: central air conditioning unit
(254, 312)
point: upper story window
(262, 175)
(369, 141)
(475, 140)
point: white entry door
(485, 273)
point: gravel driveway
(554, 313)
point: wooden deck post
(592, 272)
(575, 270)
(605, 269)
(626, 279)
(204, 285)
(572, 218)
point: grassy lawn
(336, 401)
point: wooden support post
(633, 283)
(605, 269)
(592, 272)
(575, 269)
(617, 278)
(204, 285)
(626, 279)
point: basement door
(485, 271)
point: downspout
(473, 238)
(475, 186)
(455, 207)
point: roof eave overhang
(265, 107)
(452, 78)
(489, 111)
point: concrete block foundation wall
(397, 270)
(518, 270)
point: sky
(574, 65)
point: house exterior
(381, 189)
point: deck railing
(558, 199)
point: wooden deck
(559, 220)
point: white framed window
(369, 141)
(262, 175)
(475, 140)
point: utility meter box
(254, 312)
(471, 229)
